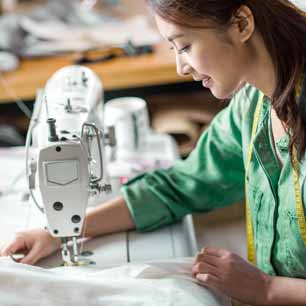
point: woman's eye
(182, 50)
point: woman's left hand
(232, 275)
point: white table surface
(16, 214)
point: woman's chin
(224, 94)
(219, 94)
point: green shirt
(213, 176)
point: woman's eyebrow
(175, 36)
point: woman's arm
(110, 217)
(211, 177)
(284, 291)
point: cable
(33, 123)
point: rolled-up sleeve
(211, 177)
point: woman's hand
(34, 244)
(232, 275)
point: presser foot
(74, 259)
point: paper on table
(151, 284)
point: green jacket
(213, 176)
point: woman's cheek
(201, 67)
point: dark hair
(283, 29)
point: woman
(255, 52)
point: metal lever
(96, 131)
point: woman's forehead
(170, 30)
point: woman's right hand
(34, 244)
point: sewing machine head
(67, 163)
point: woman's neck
(262, 73)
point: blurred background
(115, 38)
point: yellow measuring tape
(249, 226)
(298, 197)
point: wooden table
(123, 73)
(158, 68)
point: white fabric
(300, 3)
(151, 284)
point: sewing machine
(66, 164)
(67, 167)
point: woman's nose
(182, 67)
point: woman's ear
(245, 23)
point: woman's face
(219, 60)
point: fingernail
(201, 277)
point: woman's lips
(206, 81)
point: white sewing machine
(67, 167)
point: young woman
(255, 52)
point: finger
(212, 260)
(203, 250)
(200, 255)
(13, 247)
(207, 280)
(209, 259)
(17, 257)
(32, 257)
(214, 251)
(201, 261)
(198, 258)
(204, 268)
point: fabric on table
(151, 284)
